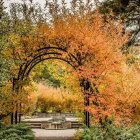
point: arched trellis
(42, 54)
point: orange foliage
(57, 100)
(96, 46)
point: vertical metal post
(85, 84)
(12, 118)
(12, 113)
(20, 113)
(86, 113)
(16, 116)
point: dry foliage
(55, 100)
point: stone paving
(42, 134)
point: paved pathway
(42, 134)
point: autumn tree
(5, 64)
(128, 11)
(4, 31)
(56, 100)
(57, 74)
(90, 44)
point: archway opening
(56, 96)
(39, 56)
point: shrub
(1, 126)
(57, 100)
(16, 132)
(109, 132)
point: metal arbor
(46, 53)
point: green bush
(109, 132)
(1, 126)
(16, 132)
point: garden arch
(46, 53)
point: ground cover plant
(109, 132)
(16, 132)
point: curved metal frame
(47, 53)
(40, 55)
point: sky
(42, 2)
(7, 2)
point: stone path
(42, 134)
